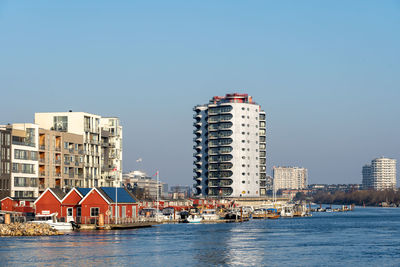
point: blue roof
(83, 191)
(122, 195)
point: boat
(193, 218)
(51, 219)
(210, 215)
(287, 211)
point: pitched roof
(123, 196)
(58, 192)
(83, 191)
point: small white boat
(51, 219)
(193, 218)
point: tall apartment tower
(289, 178)
(89, 126)
(380, 175)
(230, 147)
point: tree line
(361, 197)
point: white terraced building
(102, 143)
(380, 174)
(230, 147)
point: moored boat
(51, 219)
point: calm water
(368, 237)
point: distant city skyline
(325, 74)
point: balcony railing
(42, 173)
(67, 162)
(57, 161)
(42, 147)
(41, 160)
(57, 149)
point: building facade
(111, 156)
(89, 127)
(144, 186)
(5, 161)
(380, 175)
(61, 160)
(230, 147)
(24, 160)
(289, 178)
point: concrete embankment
(27, 229)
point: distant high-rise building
(289, 178)
(230, 147)
(366, 177)
(380, 175)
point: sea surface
(363, 237)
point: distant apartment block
(229, 147)
(139, 181)
(289, 178)
(380, 174)
(98, 158)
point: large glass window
(60, 123)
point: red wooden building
(49, 202)
(103, 200)
(24, 205)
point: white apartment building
(24, 160)
(230, 147)
(380, 175)
(89, 126)
(289, 178)
(111, 158)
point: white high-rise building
(289, 178)
(230, 147)
(380, 175)
(90, 127)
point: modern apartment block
(61, 160)
(5, 161)
(289, 178)
(111, 157)
(380, 174)
(19, 160)
(89, 127)
(230, 147)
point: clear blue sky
(326, 72)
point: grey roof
(58, 192)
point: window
(78, 212)
(65, 145)
(60, 123)
(94, 212)
(123, 215)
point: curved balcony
(197, 132)
(220, 191)
(198, 179)
(199, 171)
(197, 124)
(220, 183)
(220, 166)
(198, 163)
(198, 191)
(199, 186)
(197, 139)
(220, 174)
